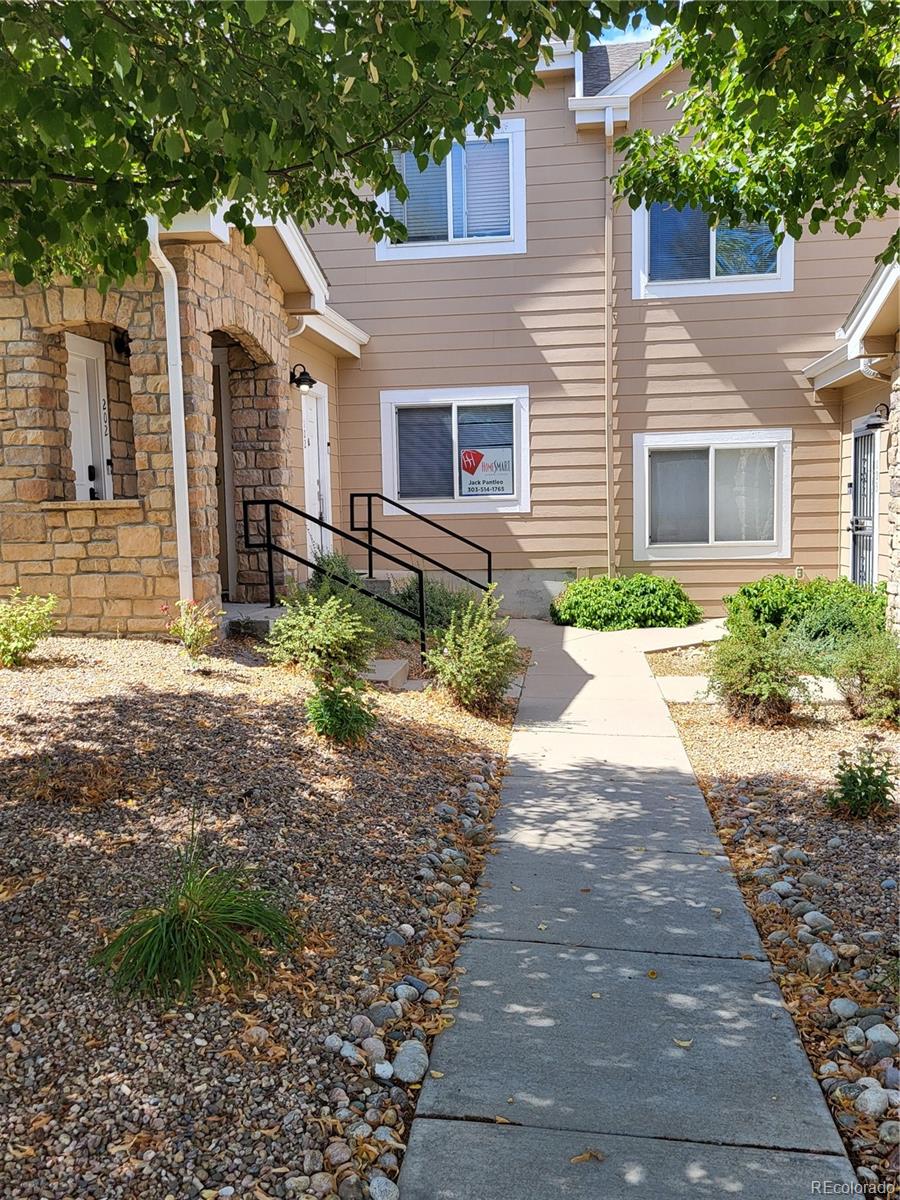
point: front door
(317, 470)
(224, 475)
(864, 493)
(89, 418)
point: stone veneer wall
(113, 563)
(893, 453)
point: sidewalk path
(616, 996)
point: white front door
(89, 418)
(317, 470)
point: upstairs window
(471, 203)
(676, 253)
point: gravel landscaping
(823, 893)
(303, 1085)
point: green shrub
(868, 673)
(196, 626)
(334, 563)
(24, 620)
(209, 922)
(341, 713)
(387, 624)
(756, 673)
(865, 783)
(326, 638)
(624, 602)
(441, 601)
(475, 659)
(820, 611)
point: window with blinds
(478, 438)
(467, 196)
(683, 247)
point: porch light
(301, 378)
(879, 417)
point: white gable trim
(590, 111)
(874, 296)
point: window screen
(425, 452)
(745, 249)
(424, 213)
(745, 494)
(481, 198)
(485, 439)
(679, 496)
(679, 243)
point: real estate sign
(487, 472)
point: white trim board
(516, 395)
(515, 243)
(643, 288)
(643, 551)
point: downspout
(611, 564)
(176, 410)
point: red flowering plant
(196, 627)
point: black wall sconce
(301, 378)
(879, 417)
(122, 343)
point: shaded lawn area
(105, 748)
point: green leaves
(793, 94)
(111, 111)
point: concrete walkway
(615, 994)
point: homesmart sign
(487, 472)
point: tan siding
(859, 400)
(538, 319)
(737, 362)
(534, 319)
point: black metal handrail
(272, 547)
(370, 530)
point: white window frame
(645, 288)
(513, 129)
(779, 547)
(517, 396)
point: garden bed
(107, 745)
(766, 790)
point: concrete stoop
(387, 672)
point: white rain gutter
(176, 410)
(609, 131)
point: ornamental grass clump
(865, 782)
(624, 602)
(332, 643)
(213, 923)
(757, 674)
(868, 673)
(475, 659)
(196, 627)
(24, 620)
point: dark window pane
(679, 243)
(425, 452)
(679, 496)
(745, 249)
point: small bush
(209, 921)
(441, 601)
(475, 659)
(341, 714)
(868, 673)
(819, 610)
(386, 624)
(24, 620)
(326, 638)
(865, 783)
(756, 673)
(624, 602)
(196, 626)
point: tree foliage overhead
(791, 114)
(112, 109)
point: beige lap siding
(533, 319)
(736, 362)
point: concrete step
(381, 587)
(249, 620)
(388, 672)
